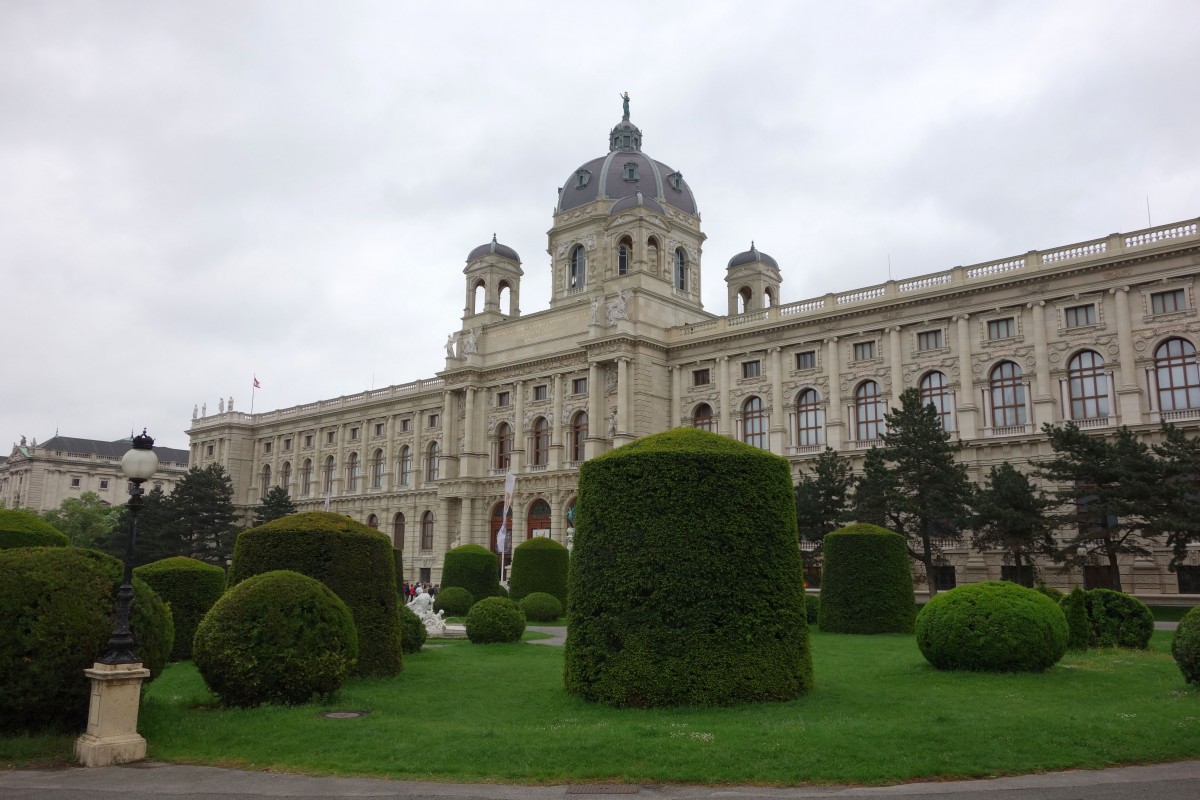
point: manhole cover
(343, 714)
(603, 788)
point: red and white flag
(257, 385)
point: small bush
(277, 637)
(1185, 646)
(412, 630)
(541, 607)
(473, 568)
(812, 607)
(495, 620)
(454, 600)
(1054, 594)
(1074, 605)
(1118, 620)
(866, 584)
(20, 528)
(191, 587)
(539, 565)
(994, 626)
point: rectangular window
(1078, 316)
(806, 359)
(864, 351)
(287, 444)
(208, 451)
(503, 399)
(1002, 328)
(329, 437)
(266, 447)
(1189, 578)
(1023, 576)
(701, 377)
(103, 484)
(540, 392)
(944, 578)
(751, 369)
(579, 386)
(74, 483)
(1166, 302)
(404, 425)
(353, 434)
(379, 429)
(435, 420)
(308, 439)
(929, 340)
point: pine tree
(822, 497)
(157, 537)
(203, 512)
(1010, 515)
(1176, 513)
(275, 504)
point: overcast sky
(195, 193)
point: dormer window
(631, 171)
(675, 180)
(582, 177)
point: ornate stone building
(1102, 332)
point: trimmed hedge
(661, 523)
(994, 626)
(1074, 606)
(539, 565)
(58, 605)
(866, 583)
(454, 600)
(541, 607)
(1185, 646)
(495, 620)
(347, 556)
(812, 607)
(412, 630)
(20, 528)
(191, 587)
(398, 562)
(1118, 620)
(276, 637)
(474, 568)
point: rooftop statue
(625, 105)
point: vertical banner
(510, 483)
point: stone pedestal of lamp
(112, 736)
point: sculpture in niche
(595, 311)
(470, 341)
(618, 308)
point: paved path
(558, 634)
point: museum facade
(1102, 332)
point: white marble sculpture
(422, 606)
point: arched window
(869, 409)
(306, 476)
(478, 297)
(702, 418)
(810, 419)
(433, 460)
(265, 479)
(373, 521)
(754, 423)
(935, 391)
(538, 518)
(680, 269)
(352, 473)
(745, 297)
(427, 530)
(768, 298)
(652, 255)
(1008, 395)
(1177, 375)
(1087, 385)
(541, 441)
(398, 532)
(579, 434)
(624, 256)
(377, 470)
(285, 475)
(327, 477)
(504, 445)
(405, 465)
(504, 297)
(577, 277)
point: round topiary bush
(276, 637)
(495, 620)
(866, 583)
(58, 605)
(454, 600)
(473, 568)
(20, 528)
(994, 626)
(412, 630)
(539, 565)
(1185, 646)
(347, 556)
(1118, 620)
(655, 620)
(541, 607)
(1079, 632)
(191, 587)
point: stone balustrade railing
(321, 406)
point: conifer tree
(1011, 516)
(1176, 515)
(276, 503)
(202, 507)
(823, 497)
(157, 536)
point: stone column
(470, 462)
(556, 426)
(517, 461)
(417, 476)
(675, 406)
(965, 409)
(724, 415)
(1129, 396)
(450, 452)
(1043, 400)
(895, 364)
(112, 736)
(778, 418)
(596, 422)
(835, 427)
(624, 423)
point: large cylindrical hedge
(994, 626)
(866, 582)
(20, 528)
(686, 584)
(539, 565)
(191, 587)
(347, 556)
(58, 604)
(473, 568)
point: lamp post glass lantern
(139, 465)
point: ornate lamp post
(112, 736)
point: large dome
(625, 172)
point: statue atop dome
(625, 106)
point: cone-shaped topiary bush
(656, 617)
(20, 528)
(1118, 620)
(994, 626)
(191, 587)
(495, 620)
(866, 583)
(473, 568)
(541, 607)
(277, 637)
(539, 565)
(412, 630)
(347, 556)
(1185, 646)
(454, 600)
(58, 605)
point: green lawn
(879, 714)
